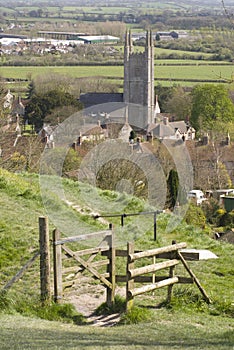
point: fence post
(110, 292)
(171, 274)
(155, 226)
(44, 241)
(130, 281)
(57, 252)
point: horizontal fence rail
(154, 252)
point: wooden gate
(69, 263)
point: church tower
(139, 77)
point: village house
(175, 130)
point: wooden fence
(173, 256)
(69, 263)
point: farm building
(171, 35)
(84, 38)
(60, 35)
(98, 39)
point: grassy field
(189, 323)
(178, 72)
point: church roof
(94, 98)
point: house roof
(92, 129)
(181, 125)
(162, 130)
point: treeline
(167, 19)
(219, 43)
(60, 62)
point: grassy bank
(187, 323)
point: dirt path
(86, 296)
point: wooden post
(130, 280)
(122, 220)
(110, 292)
(57, 252)
(171, 274)
(196, 281)
(44, 258)
(155, 226)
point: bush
(195, 216)
(211, 210)
(226, 219)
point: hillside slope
(188, 322)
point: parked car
(196, 195)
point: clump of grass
(136, 315)
(187, 299)
(118, 306)
(6, 303)
(224, 308)
(33, 308)
(61, 312)
(52, 311)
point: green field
(200, 73)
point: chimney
(165, 121)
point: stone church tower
(139, 77)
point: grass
(166, 331)
(188, 322)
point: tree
(42, 104)
(164, 93)
(132, 135)
(179, 104)
(172, 188)
(211, 105)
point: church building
(138, 87)
(139, 77)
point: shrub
(195, 216)
(211, 210)
(226, 219)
